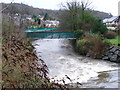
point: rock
(88, 55)
(113, 54)
(118, 60)
(106, 54)
(110, 55)
(113, 49)
(114, 58)
(105, 58)
(119, 49)
(116, 52)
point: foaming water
(62, 60)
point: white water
(62, 60)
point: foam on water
(62, 60)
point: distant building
(51, 23)
(113, 22)
(30, 19)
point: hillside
(29, 10)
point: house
(112, 23)
(51, 23)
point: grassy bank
(114, 41)
(91, 45)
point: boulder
(105, 58)
(113, 54)
(114, 58)
(113, 50)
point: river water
(63, 62)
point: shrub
(99, 27)
(20, 68)
(92, 45)
(110, 35)
(79, 32)
(82, 46)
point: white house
(51, 23)
(113, 22)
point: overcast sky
(109, 6)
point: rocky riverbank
(113, 54)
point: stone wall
(113, 54)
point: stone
(114, 58)
(110, 55)
(119, 49)
(113, 50)
(88, 55)
(105, 58)
(106, 54)
(111, 47)
(116, 52)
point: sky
(108, 6)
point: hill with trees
(29, 10)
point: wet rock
(113, 49)
(116, 52)
(119, 53)
(88, 55)
(113, 54)
(105, 58)
(119, 49)
(110, 55)
(114, 58)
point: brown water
(62, 60)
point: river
(63, 62)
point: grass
(114, 41)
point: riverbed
(64, 63)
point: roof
(109, 20)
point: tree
(35, 18)
(46, 17)
(39, 21)
(98, 27)
(74, 16)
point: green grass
(114, 41)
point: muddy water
(63, 62)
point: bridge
(48, 34)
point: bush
(99, 27)
(82, 46)
(92, 45)
(19, 62)
(79, 32)
(19, 65)
(110, 35)
(20, 68)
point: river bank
(63, 61)
(112, 53)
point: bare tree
(72, 15)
